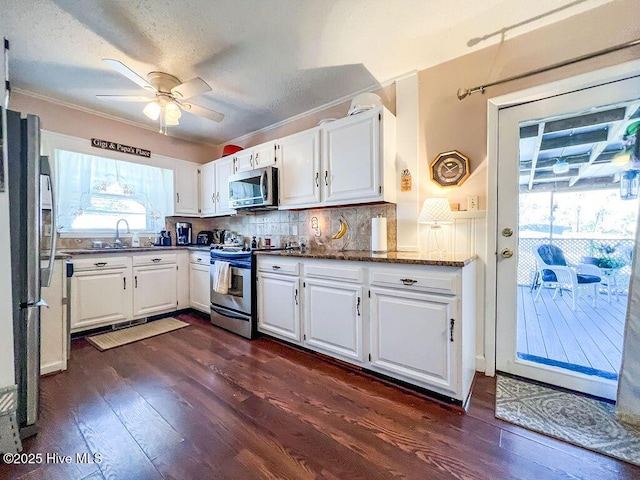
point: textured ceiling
(266, 60)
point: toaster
(204, 237)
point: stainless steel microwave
(256, 189)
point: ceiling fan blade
(195, 86)
(202, 112)
(124, 98)
(122, 69)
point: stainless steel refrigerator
(28, 174)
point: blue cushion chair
(554, 272)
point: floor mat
(580, 420)
(105, 341)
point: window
(94, 192)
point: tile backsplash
(281, 227)
(287, 226)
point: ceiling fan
(169, 92)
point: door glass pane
(578, 205)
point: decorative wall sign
(450, 169)
(118, 147)
(405, 181)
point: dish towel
(222, 277)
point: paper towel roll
(379, 234)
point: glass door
(568, 172)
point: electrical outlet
(472, 203)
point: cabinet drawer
(419, 281)
(337, 272)
(200, 258)
(155, 259)
(100, 263)
(279, 265)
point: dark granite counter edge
(71, 252)
(366, 257)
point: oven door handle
(230, 313)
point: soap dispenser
(135, 241)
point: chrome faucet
(118, 242)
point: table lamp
(435, 212)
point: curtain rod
(464, 93)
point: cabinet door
(244, 160)
(279, 306)
(264, 155)
(200, 291)
(100, 298)
(154, 290)
(207, 190)
(351, 160)
(185, 182)
(411, 338)
(224, 169)
(53, 324)
(333, 318)
(299, 172)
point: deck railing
(574, 249)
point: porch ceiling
(589, 142)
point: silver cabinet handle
(296, 296)
(251, 160)
(100, 264)
(452, 322)
(317, 179)
(326, 179)
(199, 259)
(257, 161)
(213, 198)
(276, 267)
(135, 281)
(177, 197)
(408, 281)
(125, 282)
(156, 260)
(358, 306)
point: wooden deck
(587, 337)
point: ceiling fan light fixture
(152, 110)
(172, 112)
(561, 166)
(171, 122)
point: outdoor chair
(553, 271)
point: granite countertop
(412, 258)
(109, 251)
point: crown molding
(315, 110)
(107, 116)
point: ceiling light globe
(172, 112)
(152, 110)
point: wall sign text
(118, 147)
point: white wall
(6, 317)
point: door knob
(507, 232)
(506, 253)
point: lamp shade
(172, 112)
(435, 211)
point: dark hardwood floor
(201, 403)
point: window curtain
(628, 401)
(81, 176)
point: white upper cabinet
(186, 188)
(214, 188)
(223, 170)
(299, 169)
(263, 155)
(357, 162)
(207, 190)
(243, 160)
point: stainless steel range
(233, 310)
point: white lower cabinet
(413, 337)
(100, 297)
(114, 289)
(154, 290)
(53, 323)
(200, 282)
(333, 318)
(414, 323)
(279, 306)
